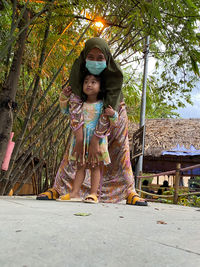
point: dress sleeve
(114, 119)
(103, 126)
(64, 103)
(75, 111)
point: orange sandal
(68, 198)
(92, 198)
(50, 194)
(134, 199)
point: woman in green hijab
(117, 179)
(104, 65)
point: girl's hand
(109, 111)
(67, 91)
(78, 149)
(78, 152)
(94, 151)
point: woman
(117, 181)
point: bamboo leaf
(194, 65)
(190, 4)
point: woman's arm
(64, 100)
(112, 115)
(75, 110)
(76, 123)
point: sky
(190, 111)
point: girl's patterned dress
(91, 113)
(117, 179)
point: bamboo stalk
(45, 187)
(41, 120)
(42, 161)
(124, 48)
(25, 155)
(19, 141)
(34, 180)
(124, 39)
(24, 98)
(8, 91)
(19, 171)
(14, 38)
(11, 33)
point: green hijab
(112, 75)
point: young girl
(92, 95)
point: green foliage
(156, 105)
(190, 200)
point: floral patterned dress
(91, 115)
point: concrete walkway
(50, 233)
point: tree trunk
(9, 89)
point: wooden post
(157, 180)
(176, 184)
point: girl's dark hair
(102, 93)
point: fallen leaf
(82, 214)
(161, 222)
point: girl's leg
(95, 179)
(79, 178)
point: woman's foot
(50, 194)
(134, 199)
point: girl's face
(95, 55)
(91, 87)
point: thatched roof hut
(164, 135)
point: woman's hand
(109, 111)
(94, 151)
(67, 91)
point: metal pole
(139, 165)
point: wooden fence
(177, 175)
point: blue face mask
(95, 67)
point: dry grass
(165, 134)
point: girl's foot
(92, 198)
(69, 198)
